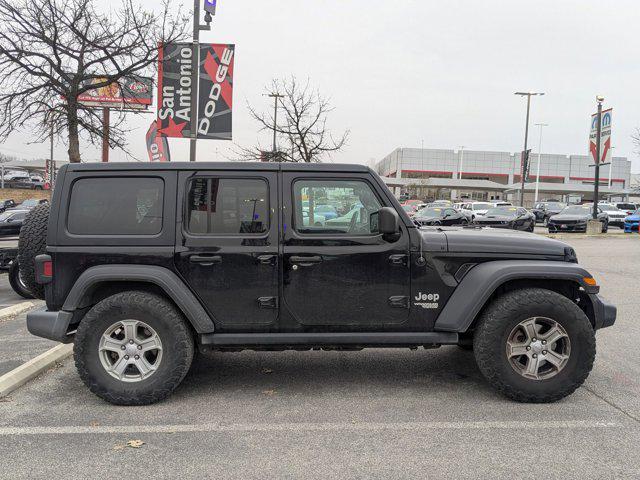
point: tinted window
(227, 206)
(116, 206)
(354, 202)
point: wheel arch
(486, 281)
(97, 283)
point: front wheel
(133, 348)
(534, 345)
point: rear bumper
(51, 325)
(603, 311)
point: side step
(359, 339)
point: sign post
(599, 136)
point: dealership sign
(175, 83)
(157, 146)
(133, 93)
(605, 137)
(215, 91)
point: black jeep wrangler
(142, 263)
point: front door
(338, 272)
(228, 246)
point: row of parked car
(559, 216)
(12, 215)
(556, 216)
(497, 214)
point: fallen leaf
(135, 443)
(94, 424)
(269, 392)
(267, 370)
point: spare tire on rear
(33, 242)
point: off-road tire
(159, 314)
(17, 284)
(33, 242)
(497, 322)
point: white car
(616, 216)
(477, 209)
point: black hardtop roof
(260, 166)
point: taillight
(47, 268)
(44, 269)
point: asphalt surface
(17, 345)
(371, 414)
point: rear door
(228, 247)
(340, 273)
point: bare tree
(301, 129)
(53, 51)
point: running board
(374, 339)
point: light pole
(275, 97)
(539, 153)
(526, 138)
(209, 7)
(611, 168)
(460, 162)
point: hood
(494, 218)
(633, 218)
(489, 240)
(560, 218)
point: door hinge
(399, 260)
(399, 301)
(268, 302)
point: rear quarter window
(116, 206)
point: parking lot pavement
(376, 413)
(17, 345)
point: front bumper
(562, 227)
(604, 312)
(631, 226)
(51, 325)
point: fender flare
(164, 278)
(481, 281)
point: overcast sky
(443, 72)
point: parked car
(31, 203)
(521, 302)
(410, 209)
(616, 216)
(30, 183)
(501, 203)
(632, 221)
(4, 204)
(477, 208)
(574, 219)
(514, 218)
(327, 211)
(630, 208)
(11, 221)
(440, 216)
(545, 210)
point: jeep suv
(141, 264)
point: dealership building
(433, 174)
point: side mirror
(388, 220)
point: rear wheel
(133, 348)
(16, 282)
(534, 345)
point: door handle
(206, 260)
(305, 261)
(266, 259)
(400, 260)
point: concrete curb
(16, 309)
(34, 367)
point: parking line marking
(317, 427)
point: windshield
(507, 211)
(626, 206)
(481, 206)
(577, 210)
(30, 203)
(430, 212)
(556, 205)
